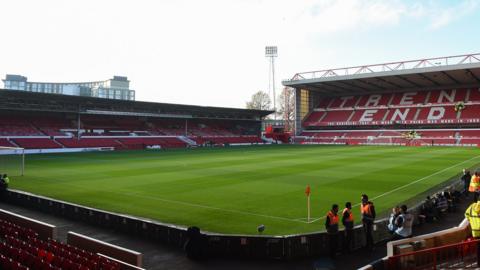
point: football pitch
(233, 190)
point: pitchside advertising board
(441, 121)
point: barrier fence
(462, 255)
(213, 244)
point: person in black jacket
(4, 181)
(466, 177)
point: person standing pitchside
(348, 222)
(466, 177)
(473, 215)
(474, 183)
(331, 224)
(368, 217)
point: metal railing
(462, 255)
(392, 66)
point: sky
(211, 52)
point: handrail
(433, 249)
(453, 256)
(391, 66)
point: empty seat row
(228, 140)
(424, 115)
(420, 107)
(36, 143)
(6, 143)
(8, 228)
(21, 249)
(89, 142)
(58, 124)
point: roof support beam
(322, 90)
(337, 86)
(372, 85)
(473, 75)
(450, 77)
(408, 81)
(362, 89)
(391, 83)
(428, 79)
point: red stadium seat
(427, 109)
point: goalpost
(12, 161)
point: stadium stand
(36, 143)
(6, 143)
(16, 126)
(405, 96)
(422, 111)
(49, 121)
(404, 108)
(89, 142)
(140, 143)
(21, 248)
(228, 140)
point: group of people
(434, 207)
(472, 185)
(400, 223)
(332, 225)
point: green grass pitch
(233, 190)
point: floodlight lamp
(271, 51)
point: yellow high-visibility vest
(473, 216)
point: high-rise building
(116, 88)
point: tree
(287, 107)
(259, 101)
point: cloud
(442, 16)
(183, 43)
(333, 16)
(336, 16)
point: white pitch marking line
(208, 207)
(301, 219)
(191, 204)
(409, 184)
(275, 217)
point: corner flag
(307, 192)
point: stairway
(457, 137)
(13, 143)
(187, 140)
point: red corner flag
(307, 190)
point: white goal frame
(5, 150)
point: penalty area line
(409, 184)
(209, 207)
(82, 188)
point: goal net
(12, 161)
